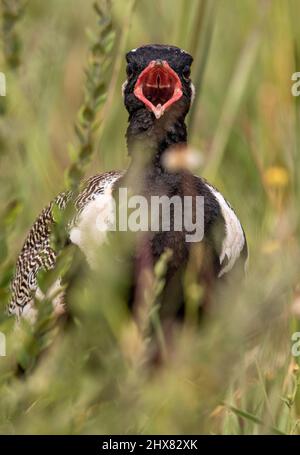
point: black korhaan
(157, 94)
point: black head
(158, 80)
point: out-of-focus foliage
(234, 374)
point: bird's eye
(186, 72)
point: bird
(158, 93)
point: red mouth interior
(158, 87)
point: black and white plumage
(157, 93)
(37, 253)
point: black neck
(148, 138)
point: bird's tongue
(158, 87)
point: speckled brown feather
(37, 253)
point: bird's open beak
(158, 87)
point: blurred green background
(235, 374)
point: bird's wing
(234, 244)
(37, 253)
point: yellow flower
(276, 176)
(271, 246)
(218, 411)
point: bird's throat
(148, 139)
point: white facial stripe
(193, 92)
(234, 240)
(124, 86)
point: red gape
(158, 87)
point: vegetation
(234, 374)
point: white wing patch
(234, 239)
(94, 222)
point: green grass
(233, 375)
